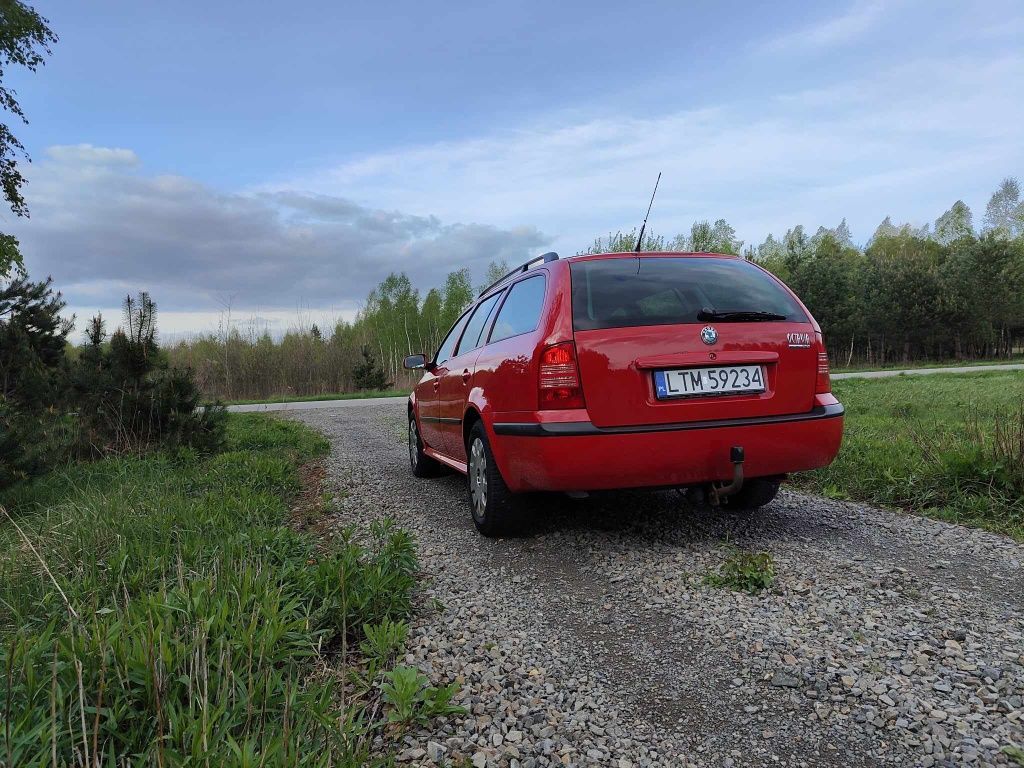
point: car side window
(445, 351)
(473, 337)
(521, 311)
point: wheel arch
(469, 420)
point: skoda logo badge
(708, 335)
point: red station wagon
(624, 370)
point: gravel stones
(887, 639)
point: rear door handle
(465, 376)
(437, 385)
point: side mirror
(412, 362)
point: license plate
(686, 382)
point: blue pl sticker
(660, 385)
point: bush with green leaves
(383, 640)
(744, 572)
(413, 700)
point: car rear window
(613, 293)
(521, 311)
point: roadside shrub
(129, 399)
(744, 572)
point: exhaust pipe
(719, 491)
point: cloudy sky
(284, 159)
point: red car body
(571, 408)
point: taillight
(823, 385)
(560, 378)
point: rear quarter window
(473, 335)
(612, 293)
(521, 311)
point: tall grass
(191, 626)
(950, 447)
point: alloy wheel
(414, 443)
(478, 478)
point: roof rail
(543, 258)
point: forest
(952, 290)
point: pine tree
(32, 375)
(368, 375)
(32, 339)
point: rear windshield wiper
(738, 316)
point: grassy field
(170, 610)
(928, 364)
(337, 396)
(950, 447)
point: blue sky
(280, 158)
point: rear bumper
(579, 456)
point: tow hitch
(719, 491)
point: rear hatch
(672, 338)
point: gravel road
(886, 640)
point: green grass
(950, 447)
(928, 364)
(335, 396)
(197, 627)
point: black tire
(421, 464)
(754, 494)
(496, 510)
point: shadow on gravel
(666, 517)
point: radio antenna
(640, 237)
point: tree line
(936, 293)
(249, 363)
(943, 291)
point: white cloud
(906, 140)
(87, 154)
(103, 228)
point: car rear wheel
(422, 465)
(496, 510)
(754, 494)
